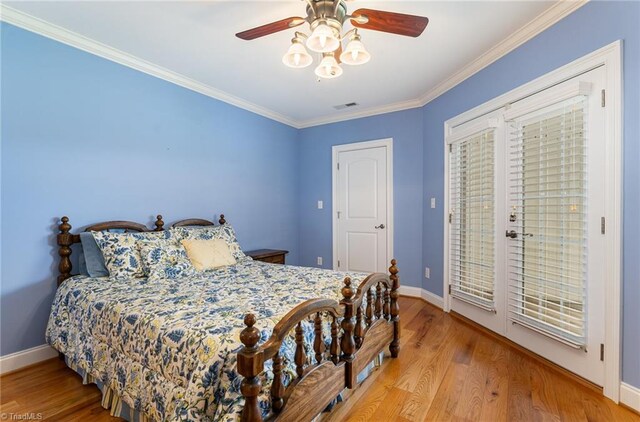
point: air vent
(343, 106)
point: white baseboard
(17, 360)
(630, 396)
(432, 298)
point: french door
(526, 200)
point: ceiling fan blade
(394, 23)
(270, 28)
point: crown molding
(366, 112)
(543, 21)
(60, 34)
(550, 16)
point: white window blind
(472, 234)
(548, 192)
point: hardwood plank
(494, 404)
(446, 400)
(417, 407)
(447, 371)
(519, 402)
(476, 380)
(543, 394)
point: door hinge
(603, 225)
(450, 147)
(602, 352)
(450, 217)
(603, 98)
(338, 263)
(338, 215)
(338, 166)
(449, 288)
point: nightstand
(273, 256)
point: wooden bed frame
(358, 334)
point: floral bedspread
(168, 348)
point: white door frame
(610, 57)
(337, 149)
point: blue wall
(98, 141)
(87, 137)
(591, 27)
(405, 128)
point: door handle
(381, 226)
(512, 234)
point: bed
(251, 341)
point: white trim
(410, 291)
(610, 57)
(472, 129)
(551, 96)
(366, 112)
(547, 18)
(335, 150)
(630, 396)
(65, 36)
(17, 360)
(541, 22)
(432, 298)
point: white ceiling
(196, 39)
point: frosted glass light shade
(355, 53)
(328, 67)
(323, 39)
(297, 56)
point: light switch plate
(320, 205)
(427, 272)
(433, 202)
(319, 260)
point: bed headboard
(65, 238)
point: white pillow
(208, 254)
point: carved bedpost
(222, 221)
(394, 347)
(250, 366)
(64, 241)
(347, 342)
(159, 224)
(358, 333)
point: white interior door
(526, 188)
(362, 194)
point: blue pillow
(93, 256)
(82, 264)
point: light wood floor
(446, 371)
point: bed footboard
(362, 325)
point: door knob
(512, 234)
(381, 226)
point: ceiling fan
(326, 19)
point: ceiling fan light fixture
(328, 67)
(354, 53)
(323, 39)
(297, 56)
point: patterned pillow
(165, 259)
(224, 232)
(121, 255)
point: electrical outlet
(433, 202)
(320, 205)
(319, 260)
(427, 272)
